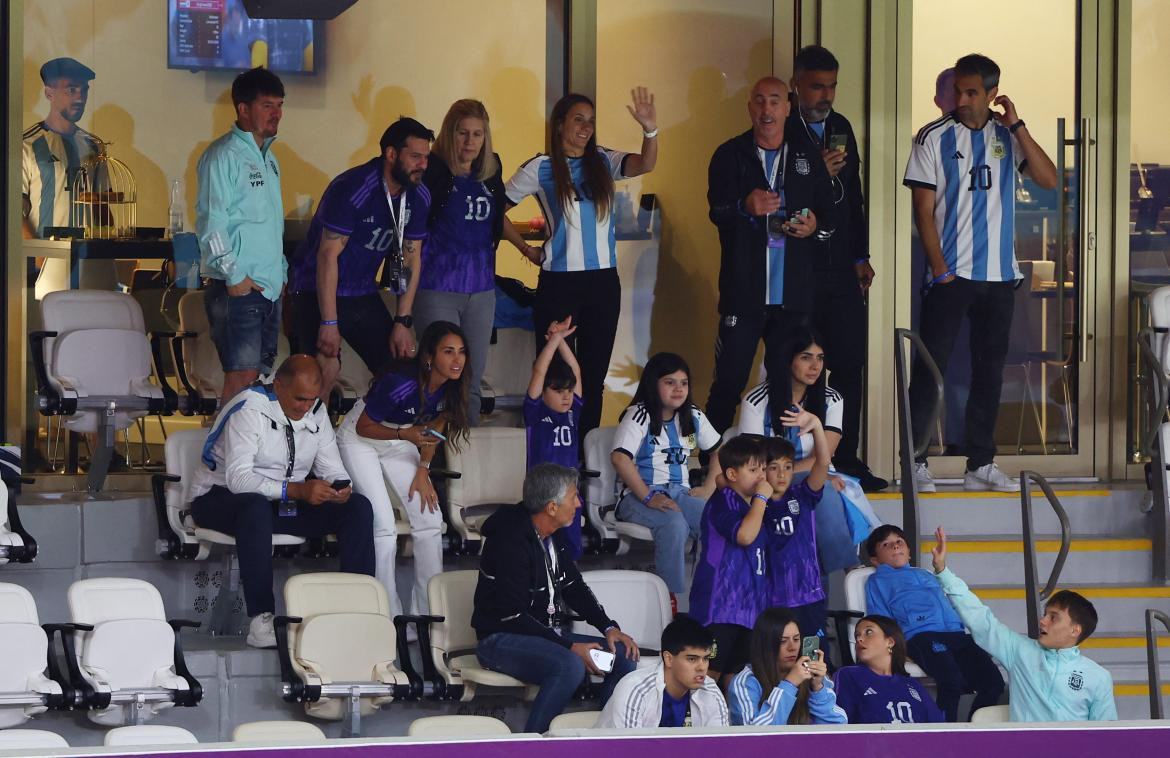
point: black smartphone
(340, 484)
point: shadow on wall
(116, 126)
(71, 27)
(379, 111)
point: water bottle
(175, 212)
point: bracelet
(425, 464)
(329, 322)
(650, 496)
(651, 134)
(1016, 126)
(284, 492)
(397, 432)
(942, 276)
(760, 496)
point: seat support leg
(353, 715)
(223, 620)
(99, 464)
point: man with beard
(370, 214)
(54, 149)
(239, 218)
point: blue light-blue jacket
(1046, 685)
(239, 215)
(911, 597)
(743, 698)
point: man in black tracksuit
(757, 185)
(843, 270)
(527, 583)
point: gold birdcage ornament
(105, 199)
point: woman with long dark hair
(656, 436)
(388, 440)
(780, 686)
(574, 184)
(878, 690)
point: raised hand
(643, 109)
(803, 420)
(1009, 115)
(938, 554)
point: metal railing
(1155, 675)
(908, 451)
(1034, 596)
(1153, 444)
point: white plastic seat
(130, 665)
(601, 492)
(30, 739)
(992, 714)
(24, 646)
(452, 666)
(457, 726)
(638, 600)
(492, 465)
(338, 656)
(575, 720)
(855, 601)
(196, 360)
(16, 544)
(509, 366)
(149, 734)
(278, 732)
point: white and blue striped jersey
(755, 418)
(973, 175)
(49, 163)
(578, 239)
(662, 458)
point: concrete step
(1108, 649)
(1120, 607)
(1133, 698)
(995, 559)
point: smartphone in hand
(436, 434)
(602, 659)
(340, 484)
(809, 647)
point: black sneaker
(859, 471)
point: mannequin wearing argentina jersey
(655, 438)
(962, 173)
(368, 216)
(574, 185)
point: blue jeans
(670, 530)
(244, 329)
(558, 670)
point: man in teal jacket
(1050, 679)
(240, 222)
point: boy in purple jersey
(729, 588)
(552, 408)
(794, 572)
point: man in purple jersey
(370, 214)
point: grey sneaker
(990, 477)
(261, 633)
(922, 478)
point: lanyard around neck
(777, 166)
(396, 215)
(292, 451)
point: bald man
(768, 198)
(253, 483)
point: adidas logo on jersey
(869, 691)
(957, 156)
(368, 220)
(547, 420)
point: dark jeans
(593, 299)
(735, 349)
(363, 322)
(244, 328)
(251, 518)
(839, 319)
(957, 665)
(558, 670)
(989, 306)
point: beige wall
(1149, 135)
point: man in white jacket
(676, 692)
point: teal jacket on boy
(1046, 685)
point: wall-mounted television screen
(218, 34)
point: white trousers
(375, 466)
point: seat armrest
(169, 544)
(195, 403)
(194, 692)
(841, 625)
(442, 473)
(430, 673)
(170, 398)
(27, 552)
(588, 473)
(76, 691)
(298, 690)
(50, 401)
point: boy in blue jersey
(730, 586)
(552, 409)
(935, 637)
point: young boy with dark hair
(935, 637)
(1050, 679)
(676, 692)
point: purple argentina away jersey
(354, 204)
(869, 698)
(552, 436)
(395, 398)
(460, 254)
(730, 584)
(790, 525)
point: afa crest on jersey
(998, 150)
(794, 506)
(1076, 681)
(802, 166)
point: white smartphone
(602, 659)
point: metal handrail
(1033, 596)
(1157, 397)
(908, 451)
(1157, 393)
(1155, 675)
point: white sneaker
(923, 480)
(261, 632)
(990, 477)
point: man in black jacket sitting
(527, 585)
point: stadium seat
(196, 361)
(16, 544)
(638, 600)
(992, 714)
(509, 366)
(491, 464)
(278, 732)
(337, 646)
(127, 660)
(601, 493)
(457, 726)
(25, 689)
(575, 720)
(93, 365)
(855, 601)
(451, 666)
(149, 734)
(30, 739)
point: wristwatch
(407, 321)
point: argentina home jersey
(973, 175)
(49, 163)
(578, 239)
(756, 418)
(661, 458)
